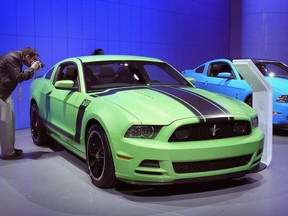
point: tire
(249, 100)
(38, 132)
(99, 158)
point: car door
(223, 78)
(63, 110)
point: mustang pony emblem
(214, 129)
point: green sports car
(138, 120)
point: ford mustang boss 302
(138, 120)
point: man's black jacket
(11, 73)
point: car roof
(93, 58)
(265, 61)
(255, 60)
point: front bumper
(155, 162)
(234, 175)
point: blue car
(221, 76)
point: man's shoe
(18, 151)
(16, 155)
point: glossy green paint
(117, 112)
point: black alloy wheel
(99, 158)
(38, 132)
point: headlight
(282, 99)
(139, 131)
(255, 122)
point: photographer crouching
(11, 74)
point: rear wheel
(99, 158)
(38, 132)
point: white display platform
(262, 102)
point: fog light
(150, 163)
(183, 132)
(240, 127)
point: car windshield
(273, 69)
(111, 74)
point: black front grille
(211, 165)
(207, 131)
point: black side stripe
(202, 107)
(56, 128)
(79, 119)
(80, 115)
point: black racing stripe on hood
(203, 108)
(113, 91)
(199, 105)
(171, 94)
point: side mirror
(226, 75)
(65, 85)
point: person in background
(98, 52)
(11, 74)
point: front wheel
(99, 158)
(38, 131)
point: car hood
(279, 84)
(166, 104)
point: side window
(68, 72)
(213, 70)
(220, 70)
(200, 69)
(225, 71)
(224, 68)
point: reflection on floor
(54, 182)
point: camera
(42, 65)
